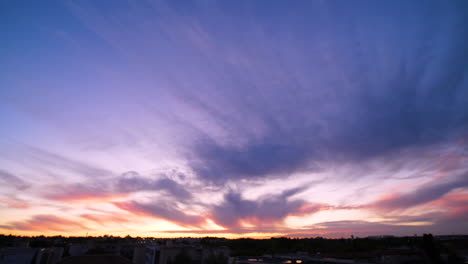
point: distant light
(298, 261)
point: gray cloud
(9, 179)
(343, 100)
(131, 182)
(125, 183)
(271, 209)
(162, 209)
(282, 89)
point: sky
(233, 118)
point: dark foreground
(208, 250)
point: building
(169, 253)
(19, 255)
(95, 259)
(27, 255)
(146, 255)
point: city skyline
(234, 118)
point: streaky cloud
(424, 194)
(44, 223)
(10, 179)
(268, 210)
(164, 210)
(118, 186)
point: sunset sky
(233, 118)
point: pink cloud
(163, 211)
(14, 203)
(45, 223)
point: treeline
(333, 247)
(254, 247)
(283, 245)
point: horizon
(246, 119)
(254, 238)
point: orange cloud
(45, 223)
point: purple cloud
(126, 183)
(9, 179)
(164, 210)
(131, 182)
(269, 210)
(424, 194)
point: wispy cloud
(13, 202)
(116, 187)
(12, 180)
(45, 223)
(424, 194)
(164, 210)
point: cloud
(14, 203)
(424, 194)
(230, 213)
(131, 182)
(81, 192)
(220, 164)
(335, 229)
(44, 223)
(116, 187)
(269, 210)
(453, 211)
(164, 210)
(106, 219)
(275, 104)
(344, 102)
(8, 179)
(361, 228)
